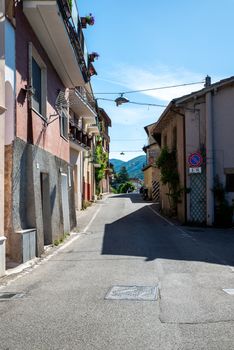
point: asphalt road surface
(131, 280)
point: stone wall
(29, 162)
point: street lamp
(120, 100)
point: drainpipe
(185, 171)
(209, 158)
(2, 134)
(185, 164)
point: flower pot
(91, 58)
(83, 22)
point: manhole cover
(132, 293)
(229, 291)
(4, 296)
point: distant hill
(133, 166)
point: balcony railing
(86, 97)
(76, 36)
(78, 136)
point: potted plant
(87, 20)
(92, 70)
(93, 56)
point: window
(36, 84)
(63, 124)
(165, 141)
(230, 182)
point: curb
(25, 268)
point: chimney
(207, 81)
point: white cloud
(127, 156)
(128, 115)
(135, 78)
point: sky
(148, 44)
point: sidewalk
(84, 218)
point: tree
(123, 175)
(126, 187)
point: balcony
(83, 104)
(93, 129)
(79, 140)
(62, 38)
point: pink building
(50, 60)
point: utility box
(2, 256)
(28, 244)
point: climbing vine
(101, 158)
(167, 163)
(70, 4)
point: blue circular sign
(195, 159)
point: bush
(113, 190)
(223, 211)
(86, 204)
(223, 215)
(126, 187)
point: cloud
(128, 115)
(127, 156)
(135, 78)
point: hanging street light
(120, 100)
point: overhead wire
(149, 89)
(127, 151)
(133, 102)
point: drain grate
(147, 293)
(4, 296)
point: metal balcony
(61, 38)
(83, 104)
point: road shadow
(134, 197)
(144, 234)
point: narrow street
(65, 302)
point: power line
(136, 103)
(127, 139)
(126, 151)
(150, 89)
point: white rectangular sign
(195, 170)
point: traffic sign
(194, 170)
(195, 159)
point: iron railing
(76, 37)
(86, 97)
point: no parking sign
(195, 160)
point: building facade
(50, 62)
(151, 173)
(4, 72)
(199, 127)
(83, 130)
(105, 124)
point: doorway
(65, 203)
(46, 208)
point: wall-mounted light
(2, 109)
